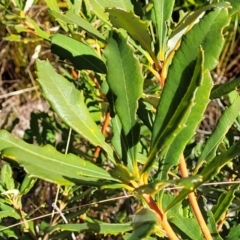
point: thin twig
(113, 199)
(68, 209)
(58, 188)
(18, 92)
(63, 217)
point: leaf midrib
(72, 110)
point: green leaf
(121, 143)
(213, 41)
(153, 187)
(223, 203)
(178, 79)
(72, 18)
(145, 114)
(156, 186)
(74, 5)
(121, 172)
(69, 104)
(189, 21)
(188, 225)
(213, 167)
(8, 211)
(162, 11)
(125, 80)
(6, 177)
(234, 233)
(235, 6)
(48, 164)
(143, 222)
(130, 22)
(27, 184)
(177, 121)
(41, 33)
(209, 171)
(79, 54)
(224, 124)
(213, 226)
(197, 113)
(53, 5)
(223, 89)
(99, 7)
(117, 141)
(102, 228)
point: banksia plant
(141, 87)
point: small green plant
(145, 77)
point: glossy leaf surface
(223, 89)
(68, 102)
(49, 164)
(137, 28)
(126, 83)
(188, 22)
(176, 122)
(224, 123)
(185, 223)
(162, 11)
(197, 113)
(72, 18)
(181, 68)
(99, 7)
(223, 203)
(79, 54)
(235, 6)
(103, 228)
(209, 171)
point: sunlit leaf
(68, 102)
(176, 122)
(72, 18)
(75, 5)
(188, 225)
(197, 113)
(235, 6)
(8, 211)
(223, 89)
(102, 228)
(27, 184)
(137, 28)
(234, 233)
(156, 186)
(79, 54)
(7, 178)
(209, 171)
(126, 83)
(181, 69)
(99, 6)
(41, 33)
(162, 11)
(188, 22)
(223, 125)
(49, 164)
(223, 203)
(53, 5)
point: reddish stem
(193, 202)
(104, 130)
